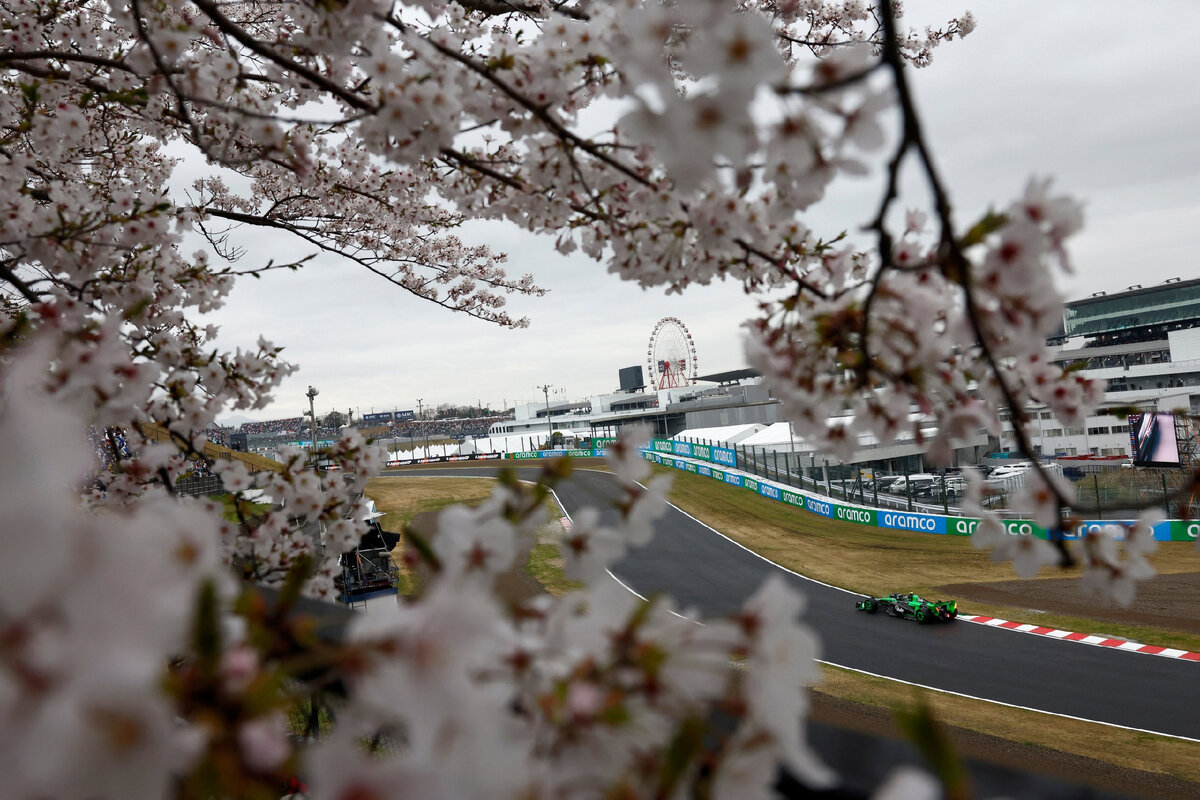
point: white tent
(433, 451)
(726, 435)
(503, 444)
(776, 436)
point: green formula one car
(910, 605)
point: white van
(902, 484)
(1019, 468)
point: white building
(1144, 343)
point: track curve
(707, 572)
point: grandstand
(1143, 344)
(426, 438)
(214, 451)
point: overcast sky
(1100, 95)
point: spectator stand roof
(732, 376)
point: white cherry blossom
(371, 132)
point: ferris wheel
(671, 355)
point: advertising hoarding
(1166, 530)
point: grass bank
(1127, 749)
(402, 498)
(873, 561)
(879, 561)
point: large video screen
(631, 378)
(1152, 439)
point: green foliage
(931, 738)
(986, 225)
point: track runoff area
(705, 571)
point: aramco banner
(527, 454)
(664, 451)
(725, 456)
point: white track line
(863, 671)
(1011, 705)
(898, 680)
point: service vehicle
(910, 605)
(914, 483)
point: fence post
(776, 454)
(828, 487)
(1166, 500)
(907, 485)
(945, 500)
(1096, 486)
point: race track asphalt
(704, 571)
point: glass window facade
(1173, 302)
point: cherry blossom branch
(311, 235)
(540, 111)
(499, 7)
(479, 166)
(254, 45)
(954, 263)
(17, 283)
(61, 55)
(181, 108)
(817, 89)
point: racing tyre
(869, 606)
(922, 616)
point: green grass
(546, 567)
(249, 509)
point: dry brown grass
(858, 556)
(400, 499)
(875, 561)
(878, 561)
(1123, 748)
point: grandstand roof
(1138, 307)
(731, 376)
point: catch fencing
(721, 463)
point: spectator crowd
(458, 428)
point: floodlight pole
(792, 448)
(421, 416)
(311, 394)
(549, 425)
